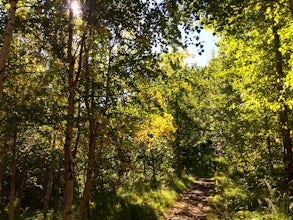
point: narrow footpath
(193, 203)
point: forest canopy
(98, 105)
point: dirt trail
(193, 203)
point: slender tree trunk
(67, 212)
(7, 42)
(2, 152)
(291, 7)
(12, 195)
(269, 147)
(50, 180)
(178, 152)
(78, 132)
(154, 170)
(144, 163)
(1, 178)
(92, 142)
(48, 191)
(287, 144)
(69, 175)
(89, 174)
(178, 156)
(284, 115)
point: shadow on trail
(113, 207)
(193, 203)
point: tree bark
(69, 165)
(48, 191)
(50, 180)
(285, 126)
(89, 103)
(291, 7)
(154, 170)
(89, 174)
(7, 42)
(176, 145)
(2, 168)
(269, 147)
(12, 195)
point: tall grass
(235, 199)
(139, 201)
(142, 197)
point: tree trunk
(12, 195)
(144, 163)
(69, 175)
(7, 41)
(269, 147)
(285, 126)
(287, 145)
(48, 191)
(291, 7)
(50, 181)
(89, 103)
(89, 174)
(2, 168)
(67, 212)
(154, 170)
(179, 168)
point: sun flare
(75, 7)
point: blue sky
(209, 42)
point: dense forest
(102, 118)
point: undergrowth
(141, 200)
(235, 199)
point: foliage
(234, 199)
(108, 90)
(251, 127)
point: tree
(291, 7)
(128, 56)
(73, 78)
(257, 104)
(7, 42)
(239, 16)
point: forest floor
(194, 203)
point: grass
(155, 200)
(235, 200)
(139, 201)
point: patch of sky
(209, 47)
